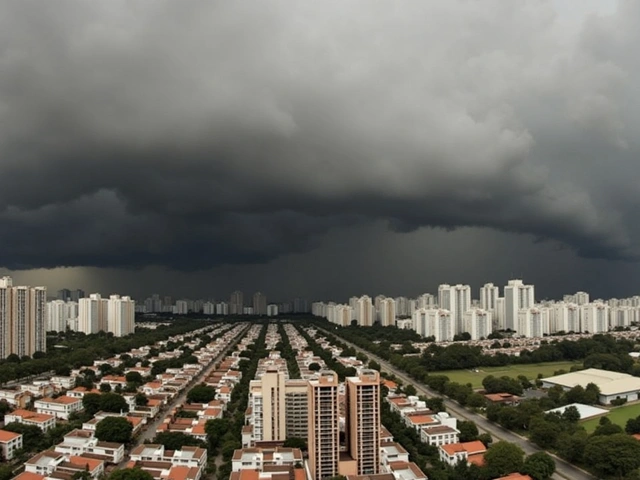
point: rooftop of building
(610, 383)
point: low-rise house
(470, 452)
(187, 457)
(405, 471)
(63, 383)
(392, 452)
(261, 458)
(9, 443)
(80, 442)
(38, 388)
(439, 435)
(502, 398)
(16, 398)
(80, 392)
(41, 420)
(113, 381)
(61, 407)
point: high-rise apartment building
(259, 303)
(324, 427)
(64, 294)
(478, 323)
(595, 317)
(566, 318)
(434, 322)
(76, 295)
(533, 322)
(517, 296)
(22, 319)
(489, 293)
(364, 311)
(362, 426)
(236, 303)
(457, 300)
(91, 314)
(121, 314)
(267, 402)
(296, 401)
(388, 312)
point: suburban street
(564, 469)
(149, 430)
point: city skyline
(436, 143)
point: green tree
(134, 377)
(176, 440)
(114, 429)
(105, 387)
(113, 402)
(544, 433)
(314, 367)
(613, 455)
(540, 466)
(201, 394)
(503, 458)
(468, 431)
(607, 429)
(215, 430)
(571, 414)
(571, 446)
(6, 472)
(91, 403)
(486, 439)
(410, 390)
(32, 438)
(141, 399)
(130, 474)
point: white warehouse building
(612, 385)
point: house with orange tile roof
(515, 476)
(29, 476)
(9, 443)
(83, 442)
(15, 397)
(470, 452)
(80, 392)
(41, 420)
(502, 398)
(61, 407)
(113, 381)
(392, 452)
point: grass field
(618, 415)
(531, 371)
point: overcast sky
(322, 148)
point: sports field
(531, 371)
(618, 415)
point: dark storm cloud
(201, 133)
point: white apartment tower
(478, 323)
(90, 314)
(388, 312)
(121, 315)
(533, 322)
(517, 296)
(457, 300)
(595, 317)
(489, 294)
(434, 322)
(566, 318)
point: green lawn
(618, 415)
(531, 371)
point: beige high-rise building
(259, 303)
(324, 427)
(22, 319)
(388, 312)
(236, 303)
(362, 424)
(297, 408)
(267, 402)
(364, 311)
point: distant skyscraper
(388, 312)
(533, 322)
(6, 285)
(364, 311)
(236, 303)
(90, 314)
(121, 315)
(259, 303)
(76, 295)
(64, 294)
(517, 296)
(478, 323)
(456, 299)
(489, 293)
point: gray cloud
(194, 135)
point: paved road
(564, 469)
(149, 430)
